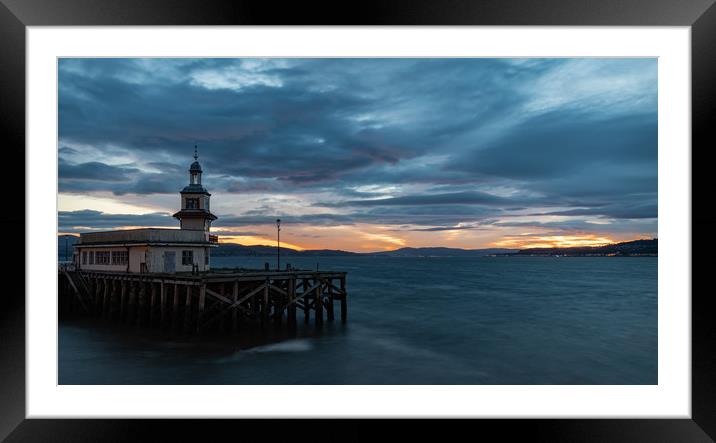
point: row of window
(122, 257)
(193, 203)
(105, 257)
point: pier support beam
(291, 311)
(329, 306)
(123, 300)
(215, 304)
(141, 312)
(306, 303)
(344, 301)
(200, 310)
(162, 304)
(132, 308)
(235, 309)
(187, 309)
(175, 307)
(319, 302)
(265, 304)
(105, 299)
(153, 304)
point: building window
(187, 257)
(192, 203)
(84, 257)
(119, 257)
(102, 257)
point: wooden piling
(306, 302)
(235, 309)
(329, 306)
(344, 301)
(162, 304)
(153, 304)
(187, 309)
(265, 304)
(200, 309)
(132, 308)
(215, 305)
(319, 302)
(141, 311)
(291, 311)
(123, 300)
(105, 299)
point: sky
(365, 154)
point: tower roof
(195, 167)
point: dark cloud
(556, 133)
(79, 221)
(94, 171)
(456, 198)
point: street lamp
(278, 244)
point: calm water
(491, 320)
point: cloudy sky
(365, 154)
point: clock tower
(195, 214)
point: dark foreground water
(491, 320)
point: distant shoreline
(636, 248)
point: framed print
(459, 219)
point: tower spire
(196, 154)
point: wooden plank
(277, 289)
(218, 296)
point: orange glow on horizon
(374, 238)
(551, 241)
(250, 240)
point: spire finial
(196, 154)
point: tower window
(192, 203)
(187, 257)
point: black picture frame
(16, 15)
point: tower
(195, 213)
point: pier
(216, 300)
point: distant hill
(625, 249)
(231, 249)
(227, 249)
(442, 252)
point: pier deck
(221, 299)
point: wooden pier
(219, 300)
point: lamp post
(278, 244)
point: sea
(412, 321)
